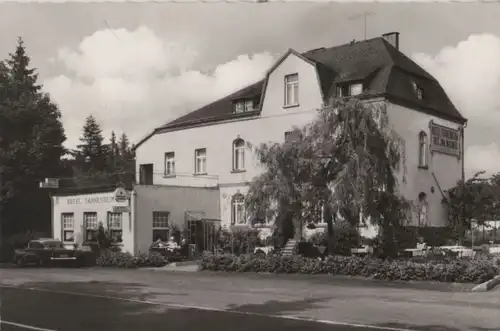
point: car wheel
(20, 262)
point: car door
(34, 252)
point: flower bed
(110, 258)
(451, 270)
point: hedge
(110, 258)
(451, 270)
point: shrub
(238, 240)
(109, 258)
(151, 259)
(451, 270)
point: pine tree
(124, 146)
(92, 149)
(114, 153)
(31, 138)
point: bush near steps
(110, 258)
(452, 270)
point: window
(68, 227)
(239, 154)
(169, 163)
(292, 90)
(90, 224)
(243, 106)
(422, 149)
(160, 225)
(291, 136)
(423, 209)
(35, 245)
(238, 216)
(349, 90)
(249, 105)
(355, 89)
(417, 90)
(146, 174)
(115, 227)
(200, 161)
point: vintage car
(46, 251)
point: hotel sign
(444, 140)
(90, 200)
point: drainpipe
(463, 180)
(463, 149)
(133, 215)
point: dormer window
(348, 90)
(355, 89)
(243, 106)
(417, 90)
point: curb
(488, 285)
(175, 267)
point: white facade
(75, 216)
(443, 171)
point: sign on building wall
(121, 194)
(444, 140)
(121, 209)
(90, 200)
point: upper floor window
(243, 106)
(422, 149)
(355, 89)
(238, 215)
(169, 163)
(238, 154)
(292, 90)
(417, 90)
(200, 161)
(349, 90)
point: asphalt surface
(56, 311)
(109, 299)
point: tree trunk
(328, 219)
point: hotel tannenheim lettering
(90, 200)
(444, 140)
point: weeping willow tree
(347, 161)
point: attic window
(356, 89)
(417, 90)
(348, 90)
(243, 106)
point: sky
(135, 66)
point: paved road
(100, 299)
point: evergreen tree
(31, 138)
(92, 149)
(124, 146)
(114, 153)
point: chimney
(392, 38)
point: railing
(178, 179)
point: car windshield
(52, 244)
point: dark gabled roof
(221, 108)
(382, 68)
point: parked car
(46, 251)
